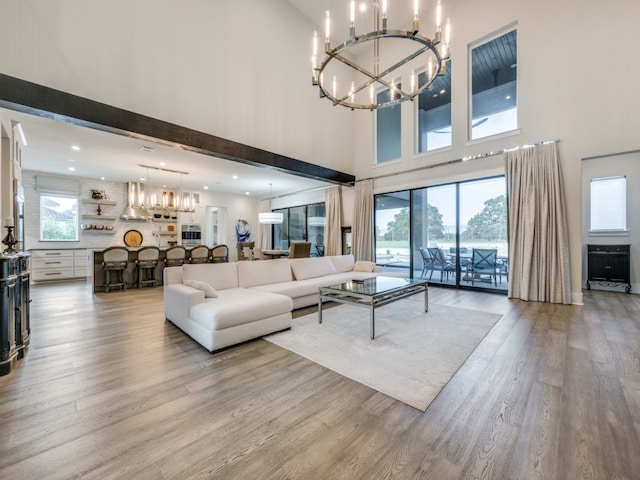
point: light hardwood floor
(108, 389)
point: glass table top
(375, 285)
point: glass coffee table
(373, 293)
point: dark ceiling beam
(32, 98)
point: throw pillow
(363, 266)
(209, 291)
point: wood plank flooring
(109, 390)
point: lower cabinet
(63, 264)
(609, 265)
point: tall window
(493, 86)
(58, 218)
(388, 128)
(434, 113)
(609, 204)
(443, 232)
(305, 223)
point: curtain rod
(461, 160)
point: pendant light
(270, 218)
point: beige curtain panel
(264, 230)
(363, 221)
(538, 233)
(333, 203)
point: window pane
(434, 113)
(493, 86)
(316, 225)
(388, 129)
(281, 230)
(609, 203)
(392, 228)
(304, 223)
(58, 218)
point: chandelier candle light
(375, 60)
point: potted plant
(97, 194)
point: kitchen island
(131, 272)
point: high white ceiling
(116, 158)
(399, 14)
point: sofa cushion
(363, 266)
(313, 267)
(261, 272)
(342, 263)
(238, 306)
(218, 275)
(209, 291)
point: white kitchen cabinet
(61, 264)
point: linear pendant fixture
(270, 218)
(358, 70)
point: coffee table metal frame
(367, 294)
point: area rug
(413, 356)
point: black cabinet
(8, 352)
(15, 325)
(610, 265)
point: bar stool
(175, 256)
(146, 264)
(114, 260)
(199, 254)
(220, 254)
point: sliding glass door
(452, 234)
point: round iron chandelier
(365, 71)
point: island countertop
(131, 271)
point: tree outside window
(58, 218)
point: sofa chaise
(222, 304)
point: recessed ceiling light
(162, 164)
(75, 147)
(508, 97)
(102, 178)
(235, 177)
(247, 193)
(363, 7)
(206, 187)
(144, 148)
(142, 179)
(72, 169)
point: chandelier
(364, 71)
(181, 201)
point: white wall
(609, 166)
(576, 82)
(240, 70)
(236, 69)
(237, 206)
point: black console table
(609, 265)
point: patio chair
(483, 263)
(427, 264)
(439, 262)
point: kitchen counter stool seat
(175, 256)
(199, 254)
(114, 261)
(146, 264)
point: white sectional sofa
(221, 304)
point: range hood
(135, 194)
